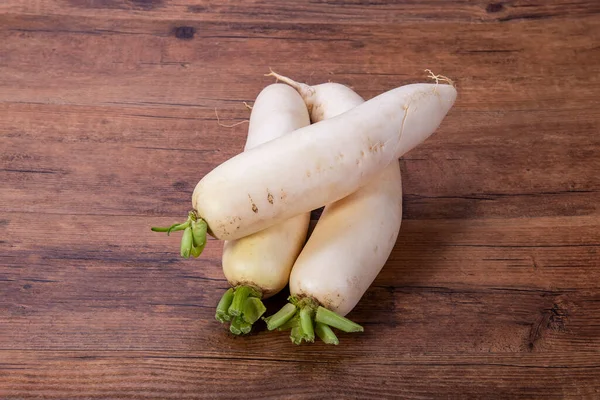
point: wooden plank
(406, 319)
(150, 155)
(528, 247)
(172, 376)
(471, 178)
(325, 11)
(514, 287)
(136, 51)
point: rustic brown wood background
(107, 122)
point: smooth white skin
(354, 236)
(264, 259)
(320, 163)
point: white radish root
(318, 164)
(350, 243)
(258, 265)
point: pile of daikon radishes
(308, 147)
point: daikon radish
(315, 165)
(350, 244)
(258, 266)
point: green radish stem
(305, 317)
(194, 230)
(306, 323)
(196, 251)
(330, 318)
(199, 227)
(325, 333)
(291, 323)
(172, 228)
(241, 293)
(303, 329)
(242, 306)
(281, 317)
(296, 335)
(187, 242)
(239, 326)
(253, 309)
(223, 306)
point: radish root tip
(438, 79)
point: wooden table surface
(107, 122)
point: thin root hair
(439, 78)
(229, 126)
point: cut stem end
(305, 317)
(194, 230)
(242, 306)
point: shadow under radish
(417, 264)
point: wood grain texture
(107, 121)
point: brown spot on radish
(353, 282)
(332, 301)
(327, 303)
(231, 220)
(308, 173)
(254, 208)
(269, 197)
(362, 153)
(374, 148)
(223, 228)
(283, 195)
